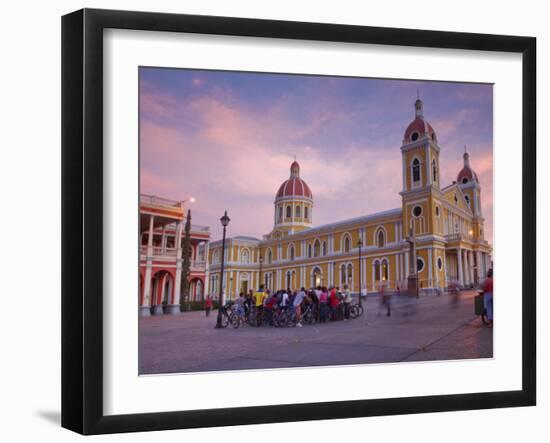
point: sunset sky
(228, 139)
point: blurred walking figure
(208, 305)
(454, 292)
(488, 296)
(385, 300)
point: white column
(472, 265)
(460, 274)
(480, 273)
(148, 265)
(397, 270)
(364, 270)
(407, 259)
(446, 282)
(467, 267)
(373, 281)
(163, 241)
(428, 165)
(404, 172)
(207, 268)
(430, 268)
(237, 287)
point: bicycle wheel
(225, 320)
(309, 317)
(360, 310)
(235, 321)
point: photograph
(297, 220)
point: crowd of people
(330, 303)
(326, 304)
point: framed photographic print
(269, 221)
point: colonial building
(443, 225)
(161, 234)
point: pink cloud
(229, 156)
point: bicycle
(356, 310)
(237, 318)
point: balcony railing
(158, 251)
(159, 201)
(171, 227)
(198, 266)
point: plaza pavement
(426, 329)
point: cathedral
(436, 237)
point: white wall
(30, 216)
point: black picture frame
(82, 218)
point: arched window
(288, 212)
(316, 277)
(309, 250)
(416, 170)
(467, 198)
(350, 273)
(291, 252)
(269, 256)
(306, 212)
(298, 211)
(384, 270)
(245, 256)
(434, 171)
(343, 274)
(380, 240)
(316, 248)
(280, 214)
(377, 270)
(216, 256)
(347, 244)
(324, 248)
(419, 264)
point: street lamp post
(225, 221)
(359, 245)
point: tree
(186, 261)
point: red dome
(294, 187)
(421, 127)
(468, 174)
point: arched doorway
(244, 284)
(196, 290)
(162, 289)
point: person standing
(333, 303)
(323, 304)
(488, 296)
(385, 300)
(208, 305)
(347, 301)
(259, 297)
(300, 296)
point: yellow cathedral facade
(442, 226)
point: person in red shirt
(333, 303)
(488, 296)
(208, 305)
